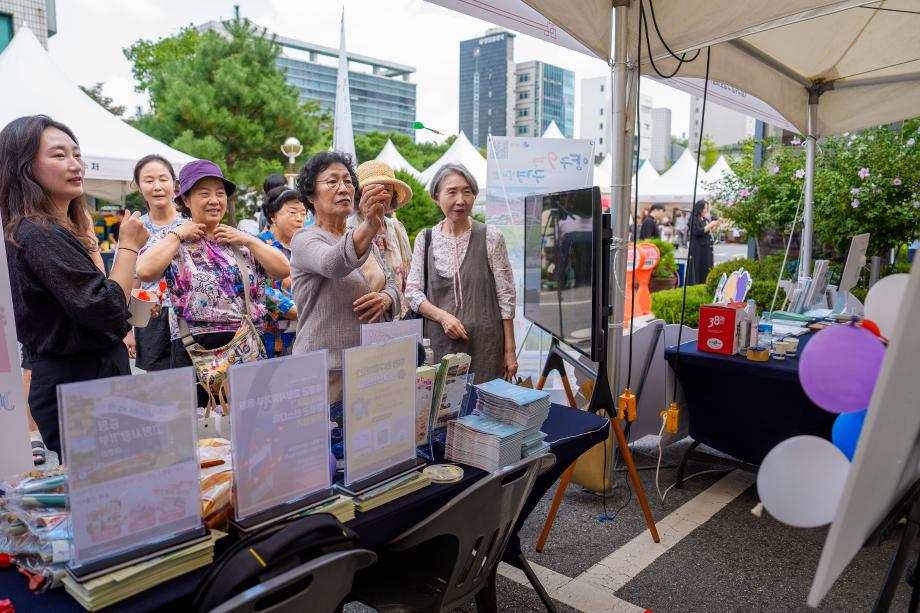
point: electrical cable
(643, 23)
(702, 472)
(699, 148)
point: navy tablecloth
(745, 408)
(569, 432)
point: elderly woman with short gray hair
(468, 301)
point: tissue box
(720, 327)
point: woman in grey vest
(468, 302)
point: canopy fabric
(110, 147)
(602, 173)
(869, 59)
(391, 156)
(648, 180)
(462, 151)
(553, 131)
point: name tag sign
(390, 330)
(131, 453)
(379, 410)
(279, 417)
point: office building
(382, 96)
(660, 150)
(543, 93)
(40, 16)
(487, 86)
(596, 116)
(725, 127)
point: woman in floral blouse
(285, 211)
(203, 278)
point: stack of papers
(391, 490)
(514, 405)
(534, 444)
(125, 582)
(341, 507)
(483, 442)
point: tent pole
(805, 253)
(621, 152)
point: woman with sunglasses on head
(339, 279)
(156, 180)
(69, 316)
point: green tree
(709, 154)
(419, 213)
(95, 92)
(222, 97)
(420, 155)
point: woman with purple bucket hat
(200, 260)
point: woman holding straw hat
(392, 240)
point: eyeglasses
(334, 183)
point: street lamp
(291, 148)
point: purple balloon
(839, 366)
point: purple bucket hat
(197, 170)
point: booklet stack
(125, 582)
(483, 442)
(340, 507)
(518, 406)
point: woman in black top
(69, 317)
(701, 227)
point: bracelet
(129, 249)
(176, 234)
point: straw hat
(373, 172)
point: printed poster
(387, 331)
(131, 453)
(379, 406)
(279, 417)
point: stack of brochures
(341, 507)
(123, 583)
(483, 442)
(391, 490)
(518, 406)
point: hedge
(666, 304)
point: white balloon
(884, 301)
(801, 480)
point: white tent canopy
(553, 131)
(676, 184)
(464, 152)
(110, 147)
(602, 173)
(719, 170)
(391, 156)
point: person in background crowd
(339, 278)
(700, 254)
(392, 241)
(649, 227)
(471, 299)
(271, 182)
(680, 227)
(203, 278)
(156, 180)
(286, 212)
(82, 315)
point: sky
(91, 36)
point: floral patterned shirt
(156, 233)
(278, 298)
(206, 288)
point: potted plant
(665, 274)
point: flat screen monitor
(563, 267)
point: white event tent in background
(391, 156)
(464, 152)
(110, 147)
(719, 170)
(676, 184)
(553, 131)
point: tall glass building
(543, 93)
(487, 86)
(382, 97)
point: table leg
(634, 476)
(682, 468)
(486, 598)
(554, 508)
